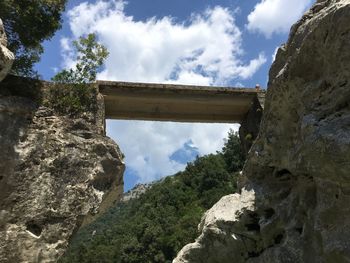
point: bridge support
(250, 125)
(101, 113)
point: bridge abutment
(101, 113)
(250, 125)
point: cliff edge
(56, 172)
(294, 203)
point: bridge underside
(165, 102)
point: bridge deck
(182, 103)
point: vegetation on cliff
(154, 227)
(27, 25)
(74, 92)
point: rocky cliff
(56, 171)
(6, 56)
(294, 203)
(136, 192)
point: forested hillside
(154, 227)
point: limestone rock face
(6, 56)
(136, 192)
(220, 229)
(55, 172)
(299, 166)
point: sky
(202, 42)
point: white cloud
(206, 50)
(276, 16)
(67, 52)
(254, 65)
(149, 145)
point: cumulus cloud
(150, 146)
(205, 50)
(276, 16)
(67, 52)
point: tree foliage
(232, 152)
(90, 57)
(73, 94)
(156, 226)
(27, 24)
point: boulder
(220, 229)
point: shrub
(73, 91)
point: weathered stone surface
(250, 125)
(136, 192)
(299, 165)
(220, 229)
(6, 56)
(55, 172)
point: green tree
(232, 152)
(27, 24)
(74, 94)
(90, 57)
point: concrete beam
(182, 103)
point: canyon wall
(294, 202)
(56, 172)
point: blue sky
(203, 42)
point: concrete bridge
(182, 103)
(185, 103)
(164, 102)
